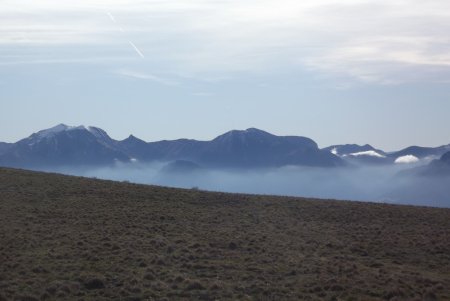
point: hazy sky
(348, 71)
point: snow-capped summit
(63, 128)
(64, 145)
(370, 153)
(97, 132)
(55, 130)
(355, 149)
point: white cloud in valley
(408, 159)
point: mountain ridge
(249, 148)
(79, 145)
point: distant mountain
(181, 149)
(362, 154)
(63, 145)
(366, 154)
(4, 147)
(134, 147)
(421, 152)
(256, 148)
(235, 149)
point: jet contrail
(137, 50)
(111, 17)
(122, 30)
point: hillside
(70, 238)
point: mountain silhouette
(421, 152)
(64, 145)
(360, 154)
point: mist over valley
(248, 161)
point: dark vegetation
(70, 238)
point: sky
(348, 71)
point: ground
(71, 238)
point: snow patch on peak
(334, 151)
(56, 129)
(97, 132)
(370, 153)
(60, 128)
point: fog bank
(363, 183)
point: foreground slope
(69, 238)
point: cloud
(383, 42)
(369, 153)
(366, 183)
(145, 76)
(408, 159)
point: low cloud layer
(377, 184)
(406, 159)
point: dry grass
(69, 238)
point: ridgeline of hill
(71, 238)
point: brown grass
(69, 238)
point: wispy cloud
(146, 76)
(377, 41)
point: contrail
(137, 50)
(122, 30)
(111, 17)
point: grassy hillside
(70, 238)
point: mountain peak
(59, 127)
(243, 133)
(97, 132)
(63, 128)
(132, 138)
(54, 130)
(254, 130)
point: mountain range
(64, 145)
